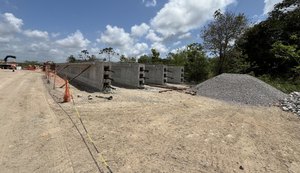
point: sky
(44, 30)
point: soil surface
(139, 131)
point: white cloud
(139, 30)
(180, 49)
(6, 39)
(139, 48)
(269, 5)
(36, 34)
(75, 40)
(9, 24)
(115, 37)
(150, 3)
(185, 36)
(160, 47)
(181, 16)
(54, 35)
(122, 41)
(28, 45)
(41, 46)
(94, 50)
(152, 36)
(9, 27)
(177, 43)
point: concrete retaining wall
(175, 74)
(156, 74)
(130, 75)
(97, 76)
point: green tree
(268, 45)
(145, 59)
(86, 54)
(194, 60)
(109, 51)
(178, 58)
(196, 67)
(237, 62)
(92, 58)
(155, 57)
(123, 58)
(220, 34)
(71, 59)
(288, 54)
(132, 59)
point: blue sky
(54, 29)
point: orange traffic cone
(67, 96)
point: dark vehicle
(8, 65)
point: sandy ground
(140, 131)
(30, 136)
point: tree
(288, 54)
(237, 62)
(155, 56)
(123, 58)
(108, 51)
(194, 61)
(196, 67)
(221, 33)
(86, 54)
(268, 45)
(92, 58)
(145, 59)
(71, 59)
(132, 59)
(178, 58)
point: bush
(285, 85)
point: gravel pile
(291, 103)
(240, 88)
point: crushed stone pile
(240, 88)
(291, 103)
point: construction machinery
(8, 65)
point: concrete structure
(96, 75)
(156, 74)
(175, 74)
(130, 75)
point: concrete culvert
(240, 88)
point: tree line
(232, 45)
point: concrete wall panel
(97, 76)
(156, 74)
(130, 75)
(175, 74)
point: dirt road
(140, 131)
(30, 137)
